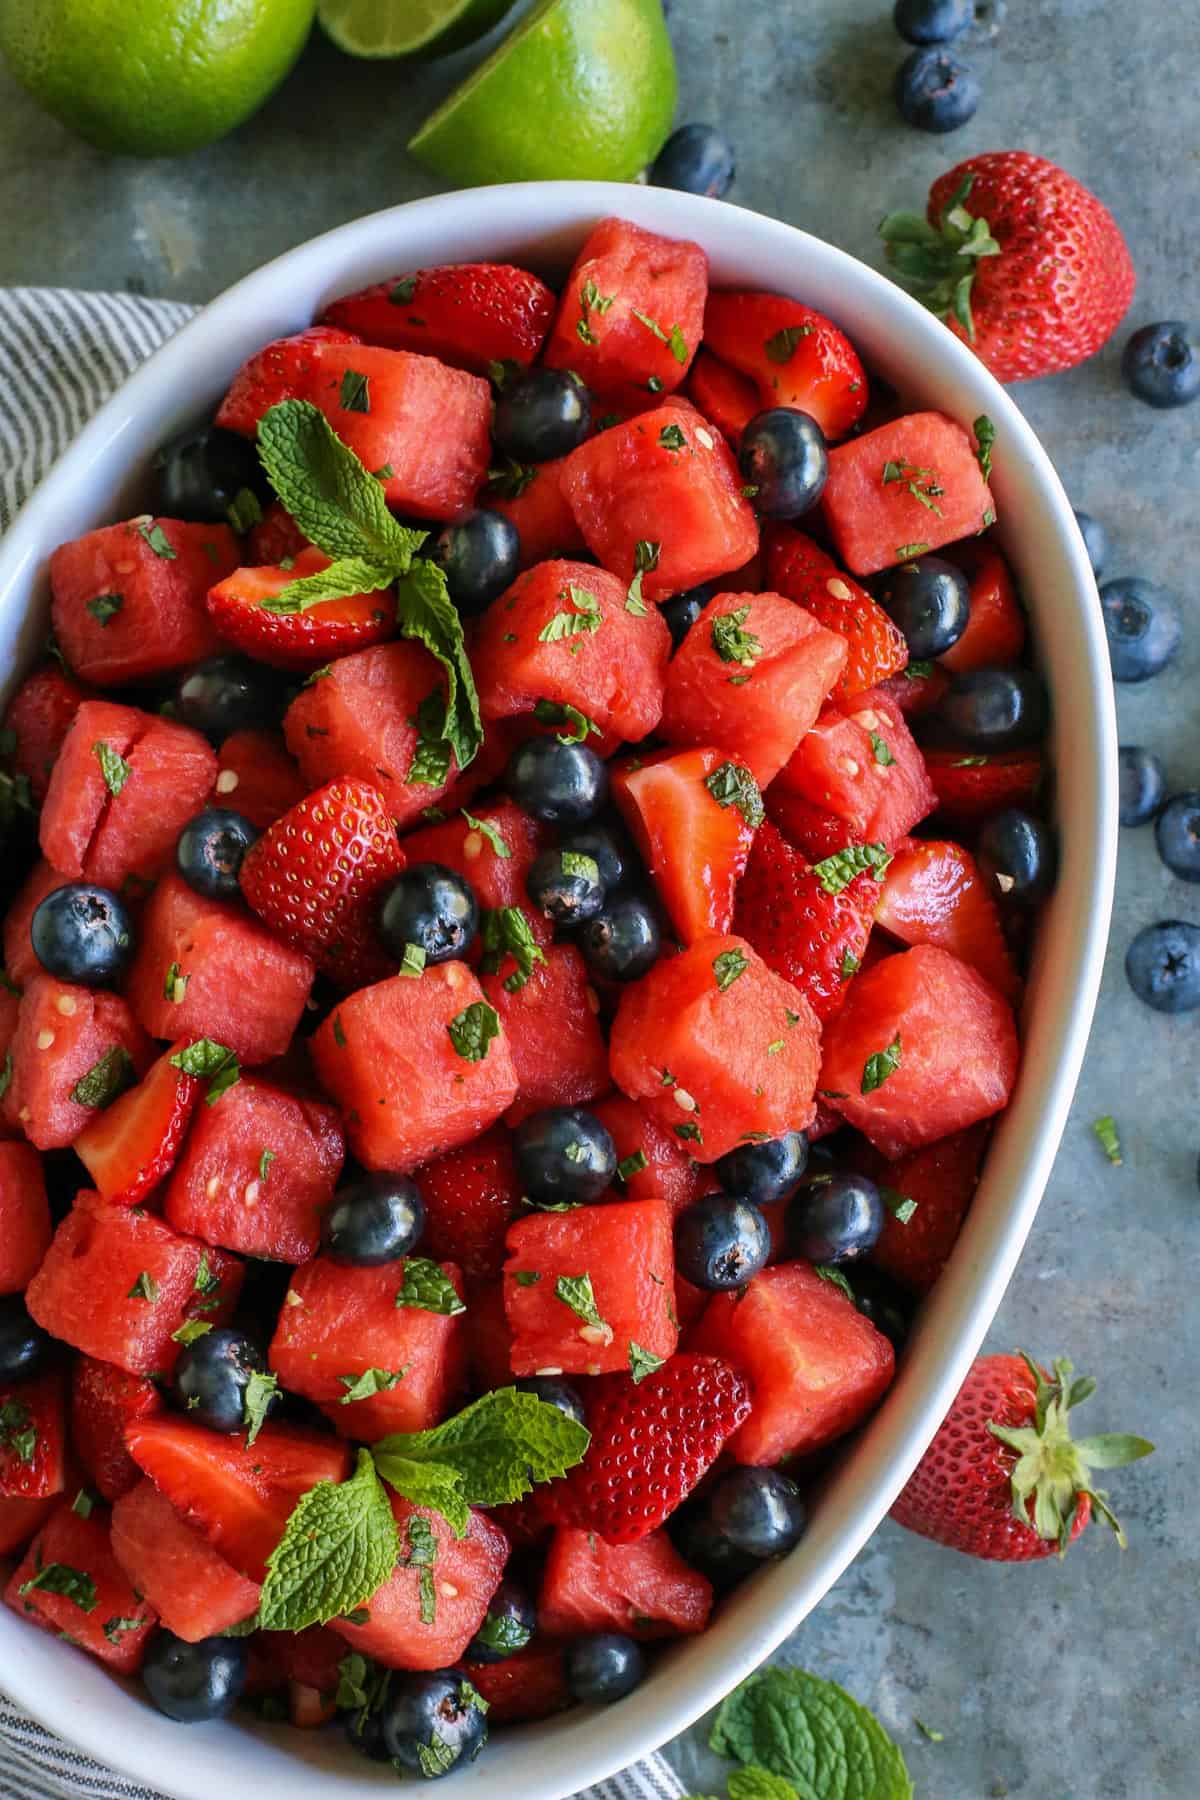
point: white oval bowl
(100, 479)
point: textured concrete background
(1071, 1682)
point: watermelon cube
(207, 968)
(528, 1685)
(793, 355)
(104, 1399)
(20, 963)
(25, 1228)
(33, 1438)
(750, 677)
(694, 844)
(88, 1599)
(133, 1144)
(668, 1172)
(532, 646)
(903, 489)
(414, 1066)
(625, 1250)
(338, 1323)
(282, 370)
(194, 1591)
(495, 861)
(72, 1052)
(534, 500)
(257, 1172)
(117, 1283)
(924, 1046)
(19, 1519)
(645, 1589)
(860, 763)
(728, 399)
(78, 794)
(257, 777)
(668, 480)
(557, 1046)
(815, 1365)
(719, 1048)
(402, 1631)
(468, 314)
(127, 601)
(36, 720)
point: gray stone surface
(1060, 1682)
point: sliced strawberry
(695, 843)
(33, 1438)
(471, 1196)
(36, 721)
(653, 1164)
(813, 938)
(727, 399)
(468, 314)
(995, 633)
(811, 828)
(799, 568)
(933, 894)
(941, 1179)
(131, 1146)
(275, 537)
(104, 1399)
(278, 371)
(795, 356)
(257, 777)
(969, 787)
(241, 609)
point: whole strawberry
(1002, 1478)
(1020, 259)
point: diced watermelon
(750, 677)
(859, 761)
(795, 356)
(104, 1399)
(636, 484)
(933, 893)
(626, 1249)
(995, 632)
(257, 1171)
(19, 1519)
(338, 1322)
(116, 1283)
(33, 1438)
(529, 1685)
(301, 641)
(282, 370)
(93, 1605)
(77, 795)
(537, 506)
(468, 314)
(25, 1228)
(728, 399)
(207, 968)
(257, 777)
(553, 1033)
(903, 489)
(645, 1589)
(72, 1047)
(127, 601)
(936, 1037)
(133, 1144)
(399, 1632)
(387, 1056)
(668, 1173)
(36, 720)
(815, 1365)
(19, 960)
(694, 846)
(495, 870)
(194, 1591)
(717, 1065)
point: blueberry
(566, 886)
(200, 474)
(194, 1682)
(555, 1392)
(623, 941)
(212, 1375)
(1161, 363)
(1177, 834)
(364, 1733)
(996, 709)
(1143, 784)
(931, 21)
(784, 457)
(759, 1511)
(1017, 856)
(681, 611)
(480, 555)
(542, 414)
(83, 934)
(433, 1722)
(698, 1541)
(696, 159)
(224, 694)
(835, 1221)
(25, 1349)
(608, 847)
(930, 600)
(1095, 540)
(1142, 624)
(762, 1173)
(1163, 966)
(888, 1308)
(508, 1625)
(720, 1242)
(561, 784)
(936, 92)
(432, 907)
(211, 849)
(564, 1153)
(603, 1667)
(376, 1219)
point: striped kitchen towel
(61, 354)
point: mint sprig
(426, 613)
(338, 1549)
(790, 1725)
(335, 500)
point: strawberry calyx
(938, 263)
(1053, 1471)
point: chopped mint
(727, 967)
(339, 1035)
(985, 440)
(781, 346)
(576, 1292)
(60, 1578)
(210, 1062)
(881, 752)
(578, 725)
(403, 291)
(899, 1205)
(158, 540)
(505, 931)
(427, 1287)
(878, 1068)
(850, 964)
(370, 1383)
(144, 1288)
(918, 671)
(83, 1504)
(587, 617)
(18, 1433)
(633, 1164)
(642, 1362)
(104, 608)
(906, 552)
(578, 864)
(105, 1080)
(671, 438)
(731, 784)
(175, 985)
(355, 395)
(244, 511)
(190, 1330)
(412, 963)
(837, 872)
(264, 1164)
(115, 1628)
(834, 1277)
(509, 480)
(527, 1277)
(1106, 1133)
(502, 1632)
(487, 830)
(690, 1132)
(115, 770)
(731, 642)
(257, 1401)
(929, 1731)
(430, 766)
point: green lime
(152, 77)
(408, 27)
(581, 89)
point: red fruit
(281, 370)
(668, 1173)
(916, 692)
(553, 1033)
(810, 828)
(750, 677)
(903, 489)
(72, 1047)
(995, 632)
(815, 1366)
(308, 1707)
(728, 399)
(933, 894)
(19, 1519)
(33, 1438)
(470, 1197)
(495, 861)
(923, 1047)
(532, 497)
(307, 1658)
(276, 536)
(795, 356)
(96, 1606)
(631, 314)
(652, 1441)
(195, 1592)
(38, 717)
(239, 608)
(941, 1179)
(133, 1144)
(813, 938)
(468, 314)
(77, 795)
(529, 1685)
(104, 1399)
(257, 777)
(1005, 1446)
(644, 1588)
(25, 1228)
(860, 762)
(799, 568)
(717, 1064)
(694, 844)
(489, 1363)
(1062, 278)
(970, 787)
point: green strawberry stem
(1052, 1469)
(938, 263)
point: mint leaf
(642, 1362)
(759, 1784)
(244, 511)
(430, 766)
(576, 1292)
(727, 967)
(880, 1066)
(106, 1079)
(427, 1287)
(338, 1549)
(731, 642)
(105, 607)
(257, 1400)
(114, 1629)
(190, 1330)
(633, 1164)
(144, 1288)
(985, 439)
(837, 871)
(1106, 1135)
(579, 726)
(503, 1633)
(781, 347)
(834, 1277)
(115, 770)
(426, 614)
(811, 1733)
(337, 503)
(881, 752)
(60, 1578)
(412, 963)
(423, 1482)
(370, 1383)
(354, 394)
(342, 580)
(579, 866)
(211, 1062)
(487, 830)
(472, 1030)
(158, 540)
(588, 616)
(672, 438)
(899, 1205)
(730, 784)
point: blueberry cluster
(935, 90)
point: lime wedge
(408, 27)
(582, 89)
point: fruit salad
(518, 872)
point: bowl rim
(554, 1761)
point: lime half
(582, 89)
(408, 27)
